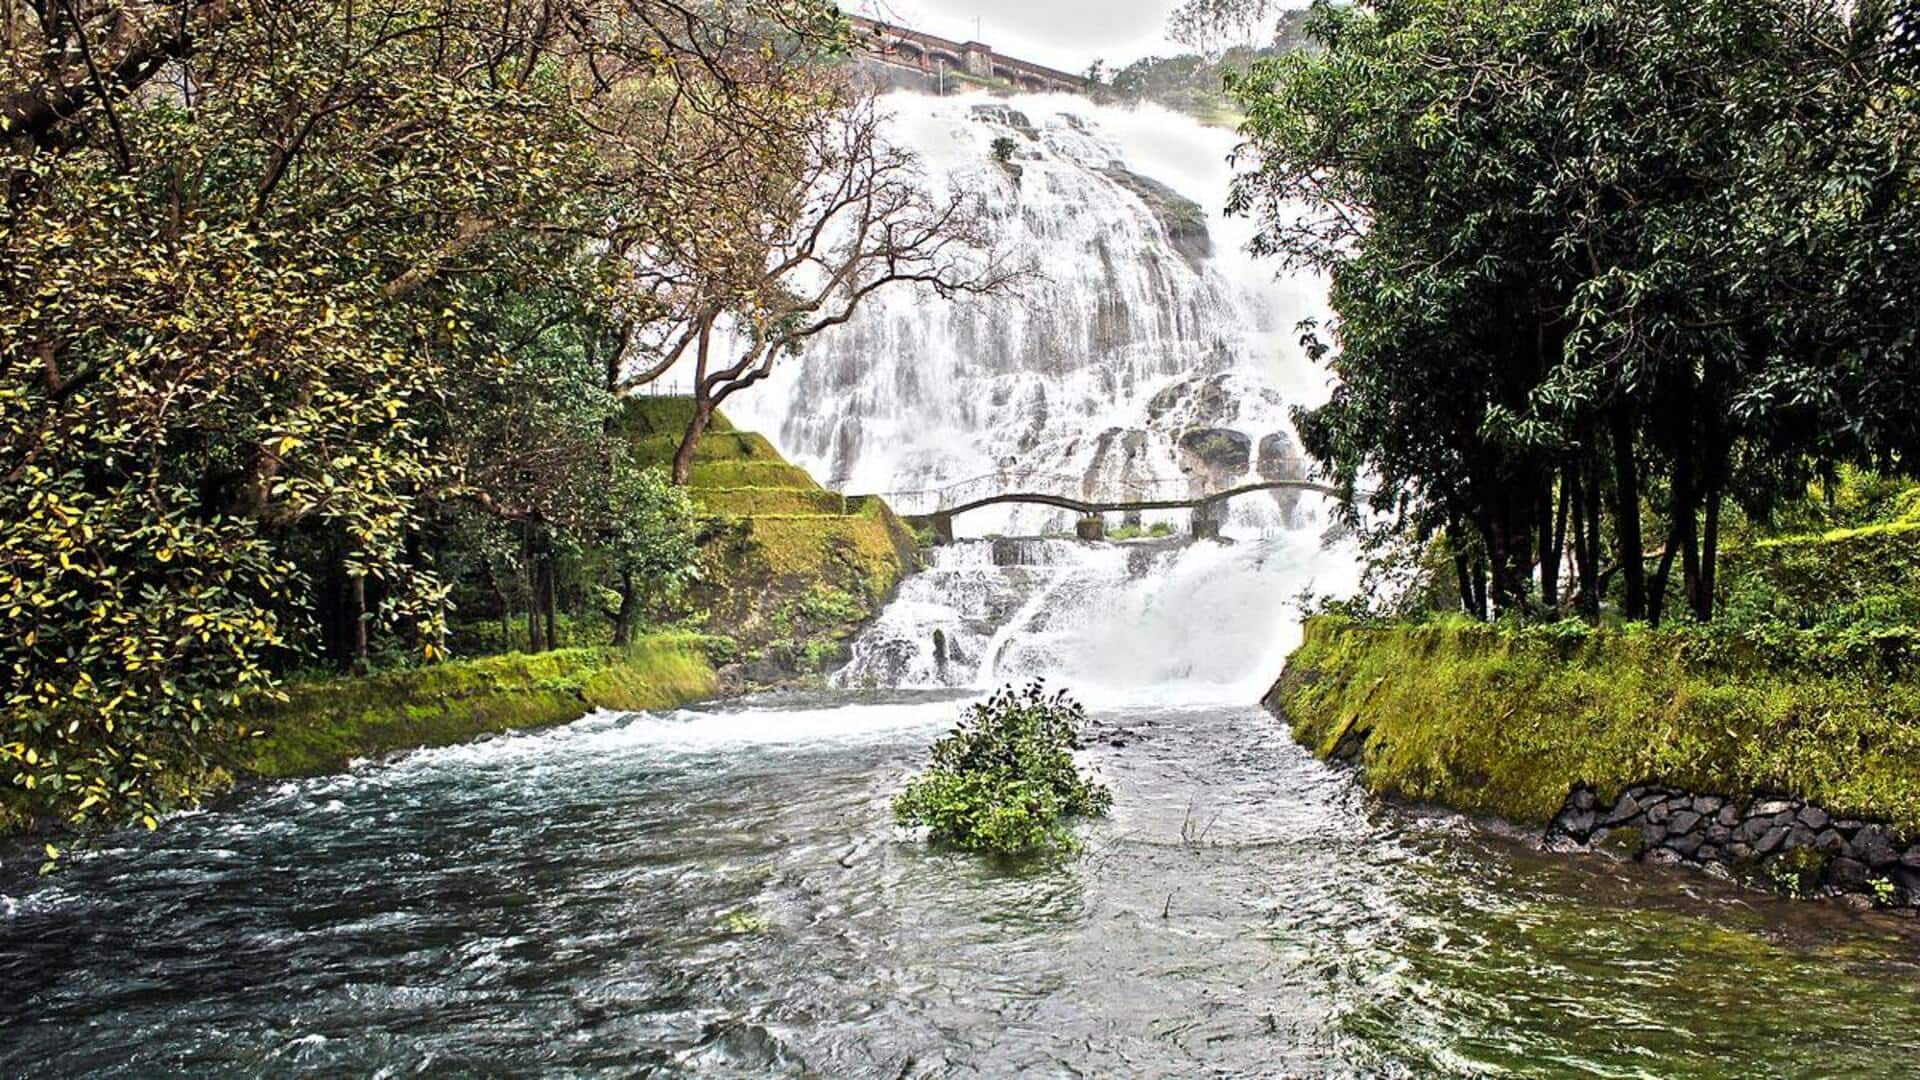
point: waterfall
(1151, 349)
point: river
(722, 892)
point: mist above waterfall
(1151, 349)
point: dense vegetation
(1195, 83)
(316, 318)
(1611, 277)
(1003, 781)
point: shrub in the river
(1004, 780)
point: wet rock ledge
(1777, 843)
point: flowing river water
(721, 892)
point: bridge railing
(1066, 486)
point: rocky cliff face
(1150, 349)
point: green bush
(1003, 781)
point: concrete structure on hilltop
(909, 52)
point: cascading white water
(1119, 623)
(1151, 349)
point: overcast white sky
(1066, 34)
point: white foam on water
(607, 735)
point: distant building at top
(919, 60)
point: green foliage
(1227, 43)
(1159, 530)
(1848, 580)
(1004, 148)
(1004, 780)
(647, 537)
(308, 341)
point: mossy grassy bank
(1502, 721)
(325, 725)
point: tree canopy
(1599, 268)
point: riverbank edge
(1806, 770)
(324, 726)
(791, 574)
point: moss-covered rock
(1508, 722)
(1184, 220)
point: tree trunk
(1592, 573)
(1680, 540)
(536, 636)
(683, 457)
(1553, 541)
(1627, 514)
(359, 591)
(1583, 507)
(547, 602)
(506, 606)
(629, 603)
(1500, 565)
(1465, 580)
(1709, 558)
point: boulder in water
(1221, 453)
(1184, 219)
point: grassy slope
(1816, 698)
(1501, 722)
(325, 725)
(794, 570)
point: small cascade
(943, 627)
(1168, 622)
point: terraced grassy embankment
(792, 571)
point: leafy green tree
(1572, 248)
(649, 539)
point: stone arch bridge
(937, 507)
(907, 48)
